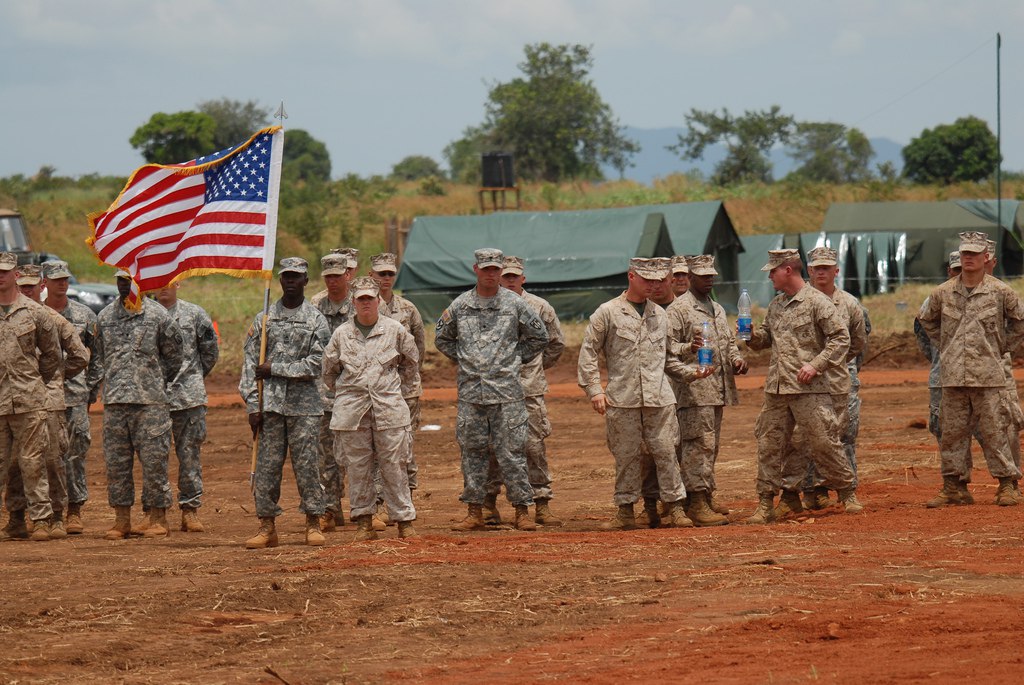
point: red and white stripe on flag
(214, 214)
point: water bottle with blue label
(744, 322)
(706, 352)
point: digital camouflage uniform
(404, 312)
(187, 393)
(332, 461)
(490, 339)
(140, 353)
(369, 376)
(293, 406)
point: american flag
(214, 214)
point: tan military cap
(702, 265)
(680, 264)
(28, 274)
(991, 248)
(488, 256)
(296, 265)
(334, 264)
(8, 261)
(363, 286)
(385, 261)
(653, 269)
(121, 273)
(352, 254)
(512, 265)
(822, 256)
(777, 258)
(954, 259)
(973, 241)
(56, 268)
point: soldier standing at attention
(188, 400)
(680, 275)
(807, 338)
(638, 405)
(335, 303)
(289, 420)
(973, 319)
(141, 355)
(369, 362)
(79, 391)
(490, 333)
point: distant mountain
(655, 160)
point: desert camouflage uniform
(490, 339)
(973, 330)
(404, 312)
(188, 397)
(369, 376)
(699, 405)
(535, 386)
(141, 355)
(293, 405)
(332, 461)
(30, 349)
(802, 329)
(640, 401)
(79, 392)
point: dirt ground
(898, 594)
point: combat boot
(190, 522)
(523, 521)
(474, 519)
(765, 512)
(15, 528)
(380, 518)
(41, 531)
(817, 499)
(57, 529)
(949, 494)
(649, 517)
(624, 519)
(265, 537)
(492, 516)
(701, 513)
(157, 524)
(364, 529)
(1005, 495)
(314, 538)
(715, 505)
(122, 527)
(789, 503)
(328, 524)
(848, 498)
(675, 517)
(543, 514)
(406, 530)
(142, 526)
(74, 524)
(965, 495)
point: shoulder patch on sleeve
(445, 318)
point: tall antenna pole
(999, 137)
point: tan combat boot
(965, 495)
(817, 499)
(57, 529)
(848, 498)
(949, 494)
(158, 527)
(328, 523)
(474, 519)
(380, 518)
(122, 527)
(190, 522)
(15, 528)
(543, 514)
(624, 519)
(142, 526)
(364, 529)
(701, 513)
(715, 505)
(675, 517)
(523, 521)
(265, 537)
(1006, 496)
(314, 538)
(492, 516)
(789, 503)
(765, 511)
(649, 517)
(406, 530)
(41, 531)
(74, 524)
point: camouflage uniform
(332, 461)
(292, 403)
(490, 339)
(140, 354)
(931, 352)
(187, 394)
(369, 376)
(30, 346)
(404, 312)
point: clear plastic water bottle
(745, 325)
(706, 351)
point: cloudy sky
(377, 80)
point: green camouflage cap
(488, 256)
(296, 265)
(334, 264)
(56, 268)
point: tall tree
(174, 138)
(463, 155)
(965, 150)
(415, 167)
(235, 121)
(305, 157)
(831, 153)
(747, 138)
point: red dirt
(898, 594)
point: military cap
(991, 248)
(954, 259)
(822, 256)
(364, 285)
(351, 253)
(8, 261)
(296, 265)
(488, 256)
(121, 273)
(56, 268)
(777, 258)
(680, 264)
(385, 261)
(702, 265)
(28, 274)
(334, 264)
(973, 241)
(512, 265)
(653, 269)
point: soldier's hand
(705, 371)
(599, 403)
(255, 423)
(740, 366)
(806, 374)
(695, 344)
(263, 371)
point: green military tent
(575, 260)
